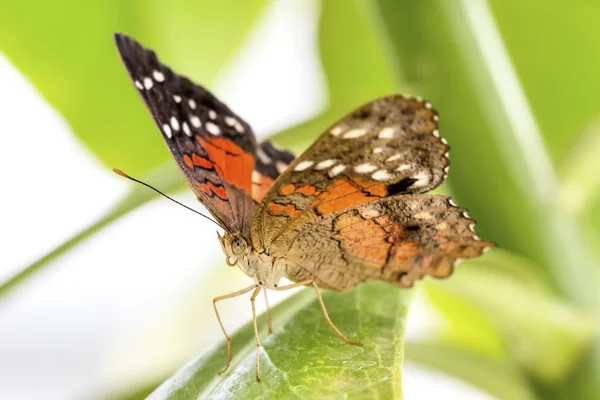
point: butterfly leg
(312, 282)
(329, 320)
(269, 317)
(219, 298)
(252, 298)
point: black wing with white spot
(214, 148)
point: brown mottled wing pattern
(213, 147)
(270, 163)
(351, 207)
(388, 146)
(397, 239)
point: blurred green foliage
(515, 85)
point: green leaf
(580, 187)
(304, 357)
(546, 335)
(562, 91)
(498, 377)
(362, 71)
(65, 48)
(355, 74)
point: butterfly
(352, 208)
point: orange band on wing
(219, 191)
(188, 161)
(261, 187)
(344, 193)
(201, 161)
(289, 210)
(232, 164)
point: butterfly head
(235, 247)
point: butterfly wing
(270, 162)
(376, 161)
(397, 239)
(213, 147)
(386, 147)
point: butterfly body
(352, 208)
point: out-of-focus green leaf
(497, 377)
(543, 333)
(580, 187)
(353, 56)
(355, 74)
(551, 46)
(65, 48)
(304, 357)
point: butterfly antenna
(123, 174)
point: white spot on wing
(443, 140)
(377, 150)
(192, 104)
(177, 98)
(148, 83)
(158, 76)
(239, 127)
(303, 165)
(436, 133)
(167, 130)
(213, 129)
(427, 105)
(466, 215)
(338, 169)
(365, 168)
(386, 133)
(212, 114)
(354, 133)
(336, 130)
(281, 166)
(256, 177)
(472, 227)
(403, 167)
(325, 164)
(393, 158)
(195, 121)
(186, 129)
(265, 159)
(451, 202)
(174, 124)
(230, 121)
(435, 118)
(381, 175)
(138, 85)
(422, 178)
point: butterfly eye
(238, 246)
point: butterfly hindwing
(214, 148)
(389, 146)
(398, 239)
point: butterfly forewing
(387, 147)
(213, 147)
